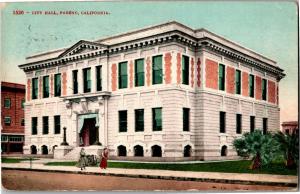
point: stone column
(80, 81)
(93, 78)
(105, 73)
(101, 130)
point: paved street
(31, 180)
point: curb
(227, 181)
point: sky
(269, 28)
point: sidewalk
(237, 178)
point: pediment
(82, 47)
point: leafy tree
(261, 147)
(289, 147)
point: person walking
(82, 160)
(104, 158)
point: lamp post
(64, 143)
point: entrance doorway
(88, 132)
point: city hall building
(164, 93)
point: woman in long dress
(104, 157)
(82, 160)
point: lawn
(228, 166)
(14, 160)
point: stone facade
(201, 97)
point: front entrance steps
(72, 153)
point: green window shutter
(185, 70)
(264, 89)
(57, 124)
(238, 123)
(123, 75)
(157, 119)
(221, 77)
(75, 81)
(22, 103)
(99, 78)
(251, 86)
(186, 119)
(252, 123)
(139, 72)
(123, 121)
(57, 85)
(222, 122)
(34, 125)
(34, 88)
(45, 125)
(139, 120)
(7, 121)
(238, 82)
(7, 103)
(46, 86)
(265, 125)
(87, 80)
(157, 70)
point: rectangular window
(99, 78)
(57, 85)
(238, 123)
(222, 122)
(123, 121)
(75, 81)
(22, 103)
(264, 89)
(45, 125)
(7, 121)
(221, 77)
(45, 86)
(57, 124)
(186, 119)
(252, 123)
(185, 70)
(123, 78)
(265, 125)
(157, 119)
(251, 86)
(7, 103)
(157, 74)
(87, 83)
(34, 125)
(22, 122)
(139, 120)
(237, 81)
(139, 72)
(35, 88)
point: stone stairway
(90, 150)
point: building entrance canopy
(86, 116)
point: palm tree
(289, 146)
(261, 147)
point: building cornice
(196, 44)
(240, 57)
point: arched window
(33, 149)
(138, 150)
(122, 150)
(187, 151)
(224, 150)
(156, 151)
(44, 150)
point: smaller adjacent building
(12, 117)
(290, 127)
